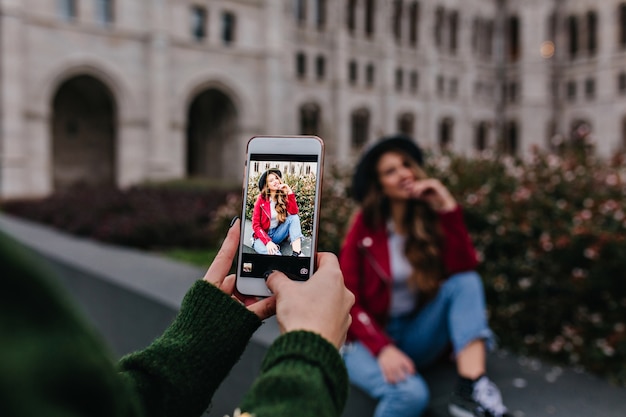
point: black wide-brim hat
(263, 177)
(365, 173)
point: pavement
(530, 387)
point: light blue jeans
(290, 227)
(456, 315)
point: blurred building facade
(124, 91)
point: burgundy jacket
(262, 214)
(364, 261)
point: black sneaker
(484, 401)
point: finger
(224, 258)
(228, 285)
(277, 281)
(264, 308)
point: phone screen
(277, 224)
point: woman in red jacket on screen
(275, 216)
(410, 263)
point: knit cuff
(207, 310)
(304, 346)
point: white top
(402, 298)
(274, 215)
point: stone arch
(211, 134)
(84, 130)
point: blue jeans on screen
(289, 228)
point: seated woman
(275, 216)
(409, 261)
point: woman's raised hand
(434, 193)
(286, 188)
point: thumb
(276, 280)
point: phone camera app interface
(279, 210)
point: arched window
(446, 133)
(438, 27)
(453, 19)
(310, 119)
(320, 14)
(413, 23)
(300, 10)
(360, 128)
(513, 39)
(480, 141)
(351, 16)
(396, 23)
(511, 138)
(370, 15)
(572, 31)
(592, 32)
(406, 124)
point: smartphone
(280, 210)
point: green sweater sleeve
(302, 375)
(179, 372)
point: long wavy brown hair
(281, 200)
(424, 236)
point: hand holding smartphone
(280, 213)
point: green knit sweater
(53, 364)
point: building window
(454, 31)
(351, 16)
(406, 124)
(413, 23)
(353, 72)
(360, 128)
(621, 83)
(622, 25)
(229, 26)
(590, 88)
(310, 116)
(446, 132)
(68, 10)
(104, 11)
(413, 81)
(571, 90)
(592, 33)
(510, 144)
(198, 22)
(438, 27)
(300, 10)
(370, 15)
(320, 67)
(320, 14)
(399, 79)
(513, 39)
(396, 22)
(572, 30)
(370, 74)
(480, 141)
(301, 65)
(488, 39)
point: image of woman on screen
(275, 216)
